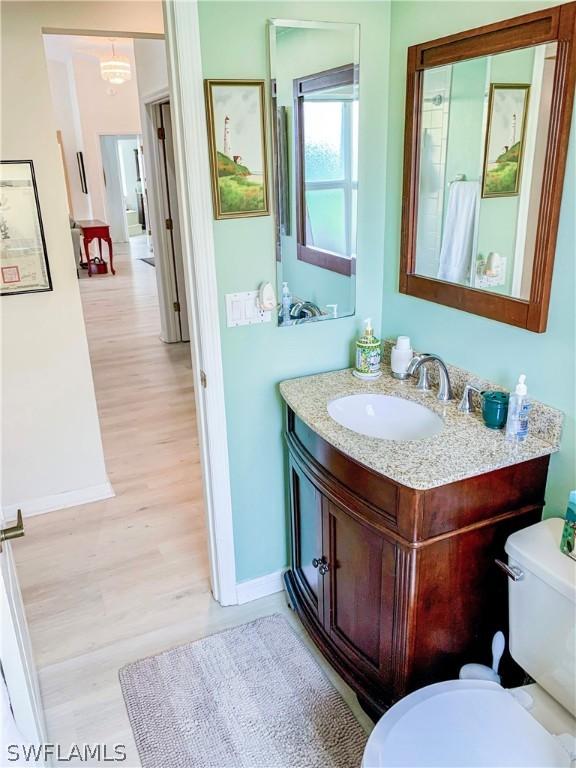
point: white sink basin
(385, 416)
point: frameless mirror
(483, 133)
(314, 80)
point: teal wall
(300, 52)
(491, 349)
(256, 358)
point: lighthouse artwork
(227, 145)
(237, 147)
(507, 108)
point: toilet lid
(462, 723)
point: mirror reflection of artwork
(235, 111)
(315, 103)
(505, 139)
(483, 133)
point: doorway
(110, 581)
(123, 186)
(165, 220)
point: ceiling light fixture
(115, 69)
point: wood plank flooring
(113, 581)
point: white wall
(67, 120)
(151, 68)
(50, 433)
(104, 110)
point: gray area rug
(250, 696)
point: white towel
(458, 237)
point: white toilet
(478, 723)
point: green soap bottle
(368, 354)
(568, 543)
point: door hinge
(161, 133)
(203, 379)
(176, 306)
(169, 224)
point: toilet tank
(543, 609)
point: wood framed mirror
(488, 115)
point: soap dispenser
(368, 354)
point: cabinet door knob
(324, 568)
(316, 562)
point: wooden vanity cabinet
(398, 587)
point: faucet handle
(466, 403)
(423, 379)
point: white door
(169, 194)
(22, 717)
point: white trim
(191, 151)
(157, 96)
(167, 295)
(530, 148)
(75, 498)
(261, 587)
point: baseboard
(260, 587)
(56, 501)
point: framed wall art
(23, 258)
(507, 107)
(82, 172)
(237, 140)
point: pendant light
(115, 69)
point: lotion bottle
(286, 302)
(519, 407)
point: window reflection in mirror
(483, 134)
(314, 74)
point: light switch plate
(242, 309)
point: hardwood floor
(113, 581)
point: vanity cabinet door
(359, 592)
(307, 551)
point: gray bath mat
(252, 696)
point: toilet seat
(462, 723)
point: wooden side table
(94, 229)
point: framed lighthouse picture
(237, 138)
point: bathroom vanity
(393, 544)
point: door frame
(182, 28)
(167, 293)
(16, 656)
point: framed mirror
(488, 115)
(314, 69)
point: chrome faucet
(419, 362)
(304, 309)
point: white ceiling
(66, 47)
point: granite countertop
(464, 448)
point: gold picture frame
(235, 112)
(502, 168)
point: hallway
(111, 581)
